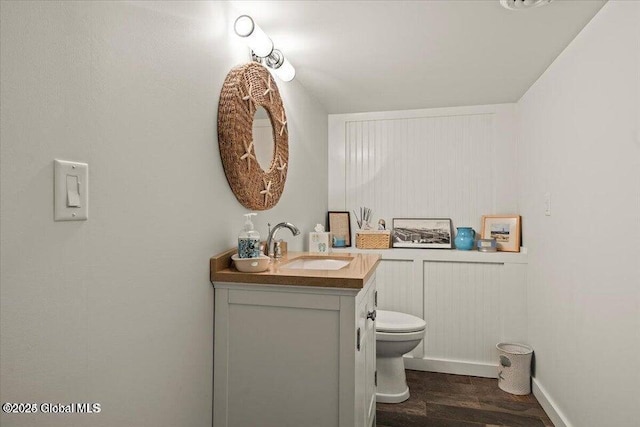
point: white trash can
(514, 368)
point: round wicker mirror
(246, 88)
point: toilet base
(392, 398)
(392, 381)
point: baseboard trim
(555, 415)
(446, 366)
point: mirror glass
(263, 140)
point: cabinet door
(370, 359)
(277, 360)
(366, 360)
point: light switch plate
(71, 191)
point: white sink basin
(317, 264)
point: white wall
(580, 141)
(119, 309)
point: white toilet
(396, 335)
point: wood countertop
(354, 275)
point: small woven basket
(373, 239)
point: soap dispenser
(249, 240)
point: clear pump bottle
(249, 239)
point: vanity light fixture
(262, 50)
(258, 41)
(281, 65)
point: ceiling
(357, 56)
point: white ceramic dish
(251, 265)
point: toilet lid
(392, 321)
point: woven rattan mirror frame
(246, 87)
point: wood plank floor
(444, 400)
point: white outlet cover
(71, 191)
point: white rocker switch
(71, 191)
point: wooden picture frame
(339, 224)
(422, 233)
(505, 229)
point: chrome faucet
(272, 244)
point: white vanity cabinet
(298, 356)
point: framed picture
(425, 233)
(339, 225)
(505, 229)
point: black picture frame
(422, 233)
(339, 223)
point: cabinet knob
(372, 315)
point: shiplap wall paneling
(400, 289)
(451, 163)
(462, 309)
(446, 162)
(513, 303)
(422, 167)
(469, 303)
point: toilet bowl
(396, 335)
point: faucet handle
(279, 248)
